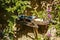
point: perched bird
(21, 17)
(30, 18)
(26, 18)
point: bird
(30, 18)
(21, 17)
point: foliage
(14, 8)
